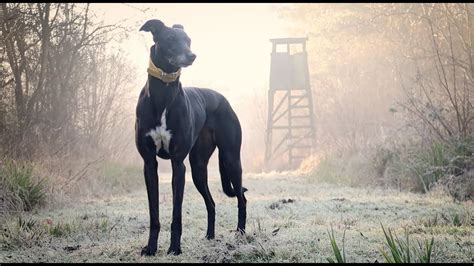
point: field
(288, 221)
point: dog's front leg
(178, 190)
(151, 180)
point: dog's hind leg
(231, 169)
(199, 158)
(228, 137)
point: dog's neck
(161, 74)
(162, 93)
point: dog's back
(219, 113)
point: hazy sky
(231, 41)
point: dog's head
(172, 44)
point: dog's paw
(240, 231)
(174, 251)
(210, 236)
(148, 251)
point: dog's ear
(153, 25)
(178, 26)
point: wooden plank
(280, 103)
(296, 103)
(300, 147)
(280, 143)
(280, 116)
(291, 127)
(299, 97)
(301, 116)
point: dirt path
(115, 229)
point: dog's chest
(161, 135)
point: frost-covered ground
(114, 229)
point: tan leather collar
(162, 75)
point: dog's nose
(191, 56)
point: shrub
(24, 189)
(420, 166)
(381, 159)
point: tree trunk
(45, 39)
(470, 23)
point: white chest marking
(161, 134)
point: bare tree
(439, 84)
(47, 51)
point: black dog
(173, 122)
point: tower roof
(288, 40)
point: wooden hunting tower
(290, 121)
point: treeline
(66, 105)
(61, 81)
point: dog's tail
(225, 179)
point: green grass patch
(335, 248)
(60, 229)
(25, 232)
(400, 251)
(25, 191)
